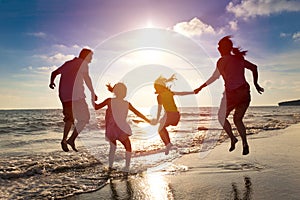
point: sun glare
(149, 24)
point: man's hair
(84, 53)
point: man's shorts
(76, 110)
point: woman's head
(226, 47)
(119, 89)
(160, 84)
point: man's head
(86, 54)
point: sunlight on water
(154, 186)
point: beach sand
(270, 171)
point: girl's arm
(183, 93)
(159, 108)
(135, 111)
(102, 104)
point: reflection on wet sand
(114, 190)
(145, 186)
(247, 190)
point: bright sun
(149, 24)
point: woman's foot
(233, 142)
(245, 149)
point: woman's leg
(223, 113)
(238, 121)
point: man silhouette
(74, 73)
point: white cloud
(233, 25)
(38, 34)
(194, 27)
(56, 58)
(296, 36)
(284, 35)
(39, 70)
(252, 8)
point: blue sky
(128, 35)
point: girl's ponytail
(109, 87)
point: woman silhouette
(231, 66)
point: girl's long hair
(160, 84)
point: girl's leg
(127, 145)
(164, 135)
(112, 151)
(127, 161)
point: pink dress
(117, 128)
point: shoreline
(270, 171)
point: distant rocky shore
(290, 103)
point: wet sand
(270, 171)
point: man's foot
(232, 147)
(64, 146)
(112, 169)
(245, 150)
(168, 147)
(72, 144)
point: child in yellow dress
(165, 99)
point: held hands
(153, 121)
(94, 99)
(196, 91)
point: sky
(135, 41)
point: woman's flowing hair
(237, 52)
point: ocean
(33, 166)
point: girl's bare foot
(168, 147)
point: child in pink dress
(117, 128)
